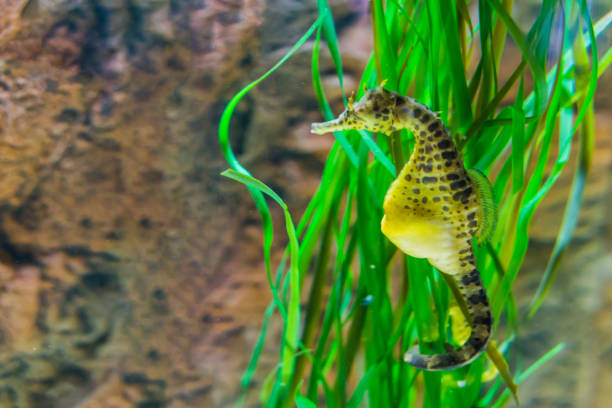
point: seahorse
(432, 210)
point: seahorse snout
(338, 124)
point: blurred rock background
(131, 273)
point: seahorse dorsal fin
(487, 204)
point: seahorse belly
(424, 238)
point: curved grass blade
(252, 182)
(458, 78)
(231, 106)
(378, 153)
(303, 402)
(362, 387)
(329, 32)
(604, 62)
(291, 336)
(535, 190)
(385, 56)
(570, 219)
(570, 216)
(594, 61)
(327, 112)
(248, 374)
(518, 148)
(522, 376)
(502, 367)
(258, 198)
(293, 316)
(538, 74)
(568, 59)
(494, 103)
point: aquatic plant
(346, 346)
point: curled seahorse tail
(482, 322)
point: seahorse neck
(434, 149)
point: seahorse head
(376, 111)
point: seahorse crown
(379, 110)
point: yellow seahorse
(432, 210)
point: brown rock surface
(131, 275)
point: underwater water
(133, 273)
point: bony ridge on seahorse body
(433, 209)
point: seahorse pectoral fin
(482, 324)
(488, 209)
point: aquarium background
(132, 273)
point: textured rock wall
(131, 274)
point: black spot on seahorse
(427, 168)
(462, 195)
(457, 184)
(433, 126)
(478, 298)
(429, 179)
(452, 176)
(449, 155)
(483, 320)
(467, 192)
(477, 342)
(471, 277)
(445, 144)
